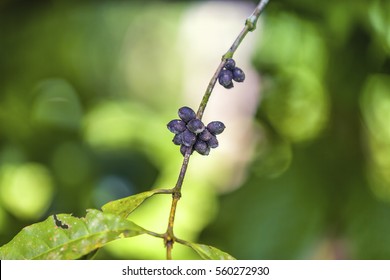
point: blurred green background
(87, 87)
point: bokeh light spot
(379, 18)
(375, 106)
(25, 190)
(114, 118)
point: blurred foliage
(86, 88)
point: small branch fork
(250, 25)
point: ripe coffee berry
(230, 64)
(202, 147)
(186, 114)
(196, 126)
(213, 142)
(216, 127)
(188, 138)
(205, 135)
(238, 75)
(176, 126)
(177, 139)
(225, 78)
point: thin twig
(250, 25)
(176, 194)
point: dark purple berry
(201, 147)
(176, 126)
(213, 142)
(188, 138)
(230, 64)
(186, 114)
(178, 140)
(238, 75)
(225, 78)
(205, 135)
(195, 126)
(216, 127)
(184, 149)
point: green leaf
(66, 237)
(124, 206)
(207, 252)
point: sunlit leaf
(124, 206)
(207, 252)
(66, 237)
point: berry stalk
(204, 137)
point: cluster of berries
(191, 132)
(230, 72)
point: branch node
(250, 23)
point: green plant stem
(250, 25)
(163, 191)
(169, 237)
